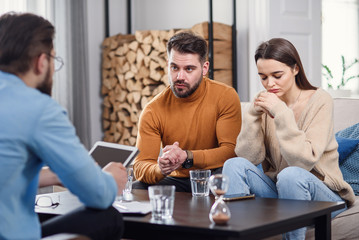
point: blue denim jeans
(292, 183)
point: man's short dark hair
(23, 37)
(188, 42)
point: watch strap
(189, 154)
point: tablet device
(105, 152)
(238, 196)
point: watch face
(188, 163)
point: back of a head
(22, 38)
(283, 51)
(188, 42)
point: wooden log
(148, 40)
(148, 81)
(136, 97)
(156, 75)
(146, 91)
(161, 61)
(126, 107)
(121, 60)
(122, 50)
(106, 102)
(154, 65)
(141, 35)
(126, 135)
(139, 58)
(113, 117)
(121, 80)
(117, 136)
(222, 60)
(137, 86)
(134, 131)
(132, 141)
(222, 46)
(105, 73)
(106, 43)
(164, 79)
(108, 137)
(133, 46)
(129, 75)
(113, 44)
(106, 113)
(160, 46)
(134, 118)
(112, 72)
(146, 61)
(107, 83)
(106, 124)
(129, 97)
(144, 101)
(220, 31)
(121, 96)
(133, 68)
(224, 76)
(158, 89)
(131, 56)
(143, 72)
(104, 90)
(106, 64)
(146, 49)
(112, 127)
(119, 127)
(155, 33)
(154, 54)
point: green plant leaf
(327, 74)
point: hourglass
(219, 213)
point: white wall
(96, 34)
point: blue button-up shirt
(35, 130)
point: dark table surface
(250, 219)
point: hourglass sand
(219, 213)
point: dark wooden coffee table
(251, 219)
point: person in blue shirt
(36, 132)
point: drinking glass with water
(199, 182)
(162, 201)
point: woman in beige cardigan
(288, 130)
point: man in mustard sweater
(196, 119)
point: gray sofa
(346, 224)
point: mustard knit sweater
(309, 143)
(207, 123)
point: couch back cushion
(346, 113)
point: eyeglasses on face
(58, 62)
(46, 202)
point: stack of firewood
(134, 70)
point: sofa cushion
(349, 155)
(346, 147)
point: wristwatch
(188, 163)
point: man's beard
(183, 93)
(46, 86)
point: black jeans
(181, 184)
(93, 223)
